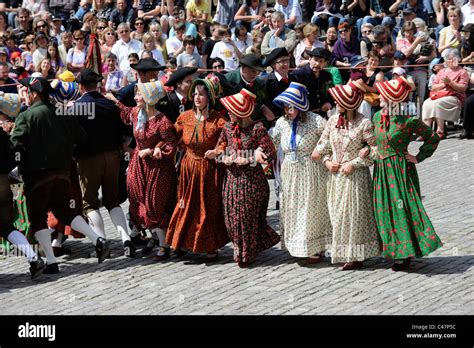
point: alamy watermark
(412, 109)
(248, 156)
(78, 109)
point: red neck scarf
(385, 119)
(236, 136)
(341, 121)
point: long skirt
(197, 223)
(403, 224)
(304, 215)
(355, 236)
(445, 108)
(245, 195)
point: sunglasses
(139, 23)
(343, 31)
(109, 33)
(78, 38)
(367, 31)
(101, 28)
(41, 26)
(124, 31)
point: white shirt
(301, 47)
(172, 45)
(467, 14)
(122, 50)
(243, 45)
(293, 9)
(226, 52)
(157, 55)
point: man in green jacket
(43, 144)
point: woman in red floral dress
(151, 178)
(243, 146)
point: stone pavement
(277, 283)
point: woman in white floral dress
(304, 216)
(354, 234)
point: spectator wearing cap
(5, 80)
(45, 144)
(122, 14)
(247, 76)
(292, 11)
(99, 159)
(310, 41)
(227, 51)
(317, 80)
(176, 101)
(76, 56)
(280, 36)
(41, 41)
(124, 46)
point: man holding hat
(147, 69)
(317, 80)
(99, 161)
(43, 144)
(176, 101)
(247, 77)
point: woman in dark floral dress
(151, 178)
(243, 146)
(403, 224)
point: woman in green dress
(402, 222)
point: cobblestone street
(276, 283)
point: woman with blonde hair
(450, 37)
(149, 44)
(310, 41)
(160, 39)
(108, 38)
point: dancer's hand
(211, 154)
(228, 160)
(144, 153)
(260, 157)
(333, 167)
(241, 161)
(315, 156)
(347, 168)
(364, 152)
(411, 158)
(157, 153)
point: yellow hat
(67, 76)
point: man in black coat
(317, 81)
(99, 161)
(44, 142)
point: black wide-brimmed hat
(274, 55)
(89, 76)
(179, 75)
(252, 61)
(147, 64)
(37, 84)
(319, 52)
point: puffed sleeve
(179, 125)
(223, 140)
(368, 137)
(125, 113)
(275, 133)
(430, 138)
(324, 145)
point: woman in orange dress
(197, 223)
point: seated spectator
(242, 38)
(450, 37)
(179, 16)
(160, 39)
(225, 12)
(189, 58)
(66, 44)
(36, 7)
(331, 39)
(174, 45)
(366, 39)
(41, 26)
(447, 95)
(330, 15)
(381, 13)
(280, 36)
(124, 46)
(10, 43)
(76, 57)
(4, 29)
(382, 44)
(104, 9)
(198, 12)
(140, 29)
(113, 77)
(23, 26)
(122, 14)
(132, 75)
(467, 11)
(5, 80)
(467, 49)
(149, 9)
(217, 65)
(148, 44)
(57, 65)
(310, 41)
(227, 51)
(346, 50)
(108, 37)
(46, 69)
(41, 42)
(216, 34)
(291, 10)
(257, 39)
(251, 14)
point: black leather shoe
(401, 266)
(36, 268)
(129, 249)
(138, 240)
(149, 247)
(51, 269)
(102, 249)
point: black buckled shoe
(149, 246)
(51, 268)
(129, 249)
(466, 135)
(36, 268)
(102, 249)
(404, 266)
